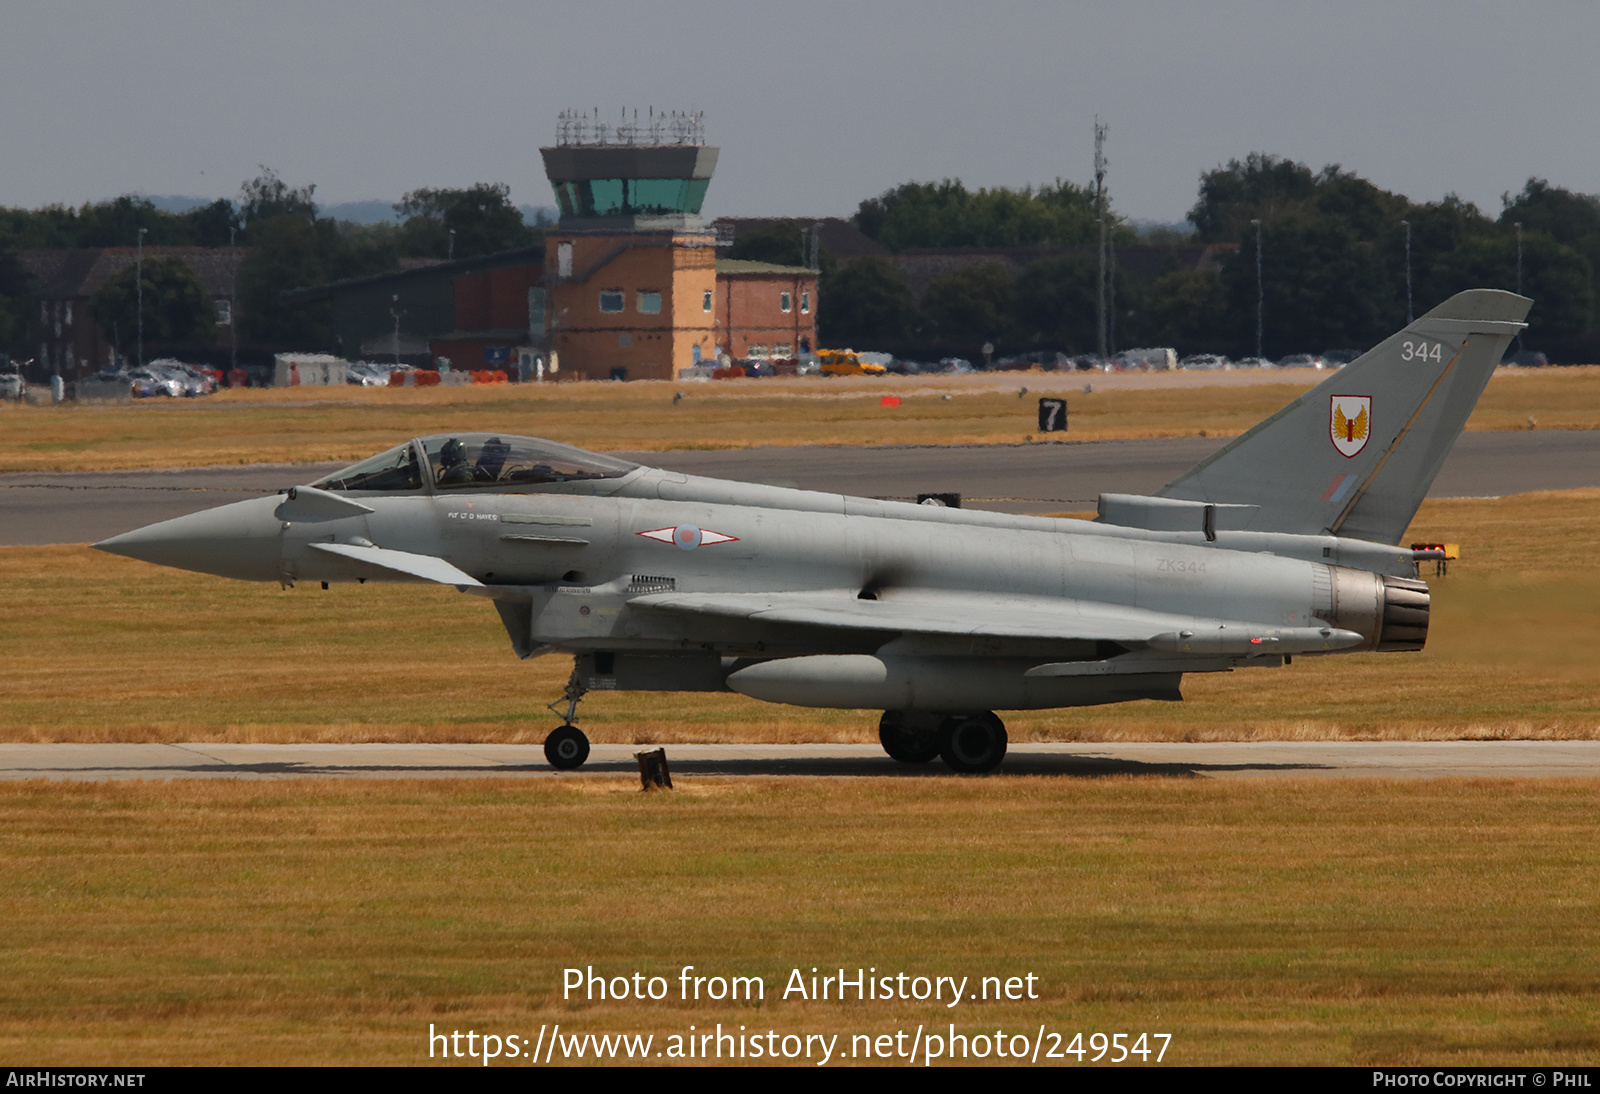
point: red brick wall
(749, 312)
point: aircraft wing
(930, 611)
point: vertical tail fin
(1355, 455)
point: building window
(610, 300)
(649, 302)
(782, 351)
(757, 352)
(224, 311)
(805, 302)
(563, 260)
(705, 302)
(784, 301)
(625, 340)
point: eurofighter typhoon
(1282, 543)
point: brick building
(626, 285)
(66, 331)
(764, 310)
(630, 269)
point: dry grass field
(1364, 922)
(98, 647)
(304, 425)
(1292, 922)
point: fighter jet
(1283, 543)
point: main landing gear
(969, 743)
(567, 746)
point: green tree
(15, 286)
(482, 217)
(1187, 309)
(267, 197)
(972, 305)
(1558, 278)
(865, 303)
(1264, 187)
(286, 252)
(176, 307)
(947, 214)
(1057, 299)
(1319, 286)
(1569, 219)
(783, 244)
(211, 225)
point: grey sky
(815, 105)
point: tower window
(610, 300)
(649, 302)
(785, 302)
(705, 301)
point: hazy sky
(815, 105)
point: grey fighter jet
(1283, 543)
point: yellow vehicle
(846, 362)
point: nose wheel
(566, 747)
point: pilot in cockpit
(454, 470)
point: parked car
(1301, 360)
(1205, 362)
(1338, 358)
(146, 382)
(1530, 358)
(369, 374)
(195, 381)
(1253, 362)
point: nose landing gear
(567, 746)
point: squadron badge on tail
(1350, 422)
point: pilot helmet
(453, 452)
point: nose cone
(242, 540)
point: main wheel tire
(909, 738)
(973, 743)
(566, 747)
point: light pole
(1519, 277)
(1519, 257)
(1407, 225)
(1261, 295)
(138, 290)
(233, 305)
(450, 252)
(397, 313)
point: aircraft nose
(241, 540)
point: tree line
(287, 244)
(1333, 262)
(1333, 266)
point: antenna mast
(1100, 129)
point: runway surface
(41, 508)
(1263, 759)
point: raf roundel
(687, 536)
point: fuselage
(637, 562)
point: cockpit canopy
(475, 461)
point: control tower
(630, 269)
